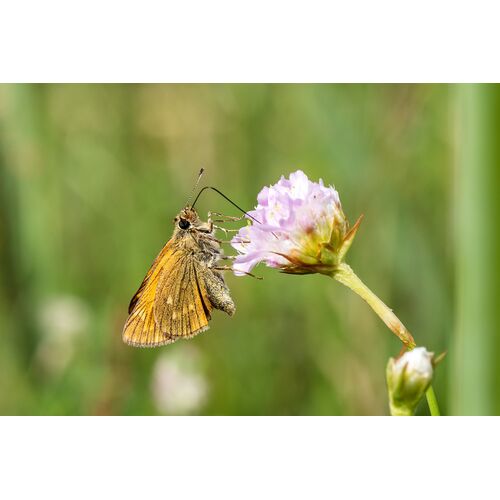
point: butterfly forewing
(152, 274)
(170, 304)
(141, 328)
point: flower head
(301, 228)
(408, 377)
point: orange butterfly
(181, 288)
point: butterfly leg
(227, 241)
(224, 230)
(224, 218)
(229, 268)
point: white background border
(258, 41)
(226, 41)
(249, 458)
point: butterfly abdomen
(218, 292)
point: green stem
(432, 402)
(345, 275)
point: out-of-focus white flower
(64, 316)
(301, 229)
(408, 377)
(178, 385)
(61, 320)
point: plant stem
(345, 275)
(432, 402)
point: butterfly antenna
(195, 187)
(226, 198)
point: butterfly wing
(182, 306)
(152, 274)
(141, 329)
(170, 303)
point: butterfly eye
(184, 224)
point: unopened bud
(408, 377)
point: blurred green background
(91, 177)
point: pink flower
(301, 229)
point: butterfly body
(181, 288)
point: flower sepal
(348, 239)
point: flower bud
(408, 377)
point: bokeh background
(91, 177)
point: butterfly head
(188, 220)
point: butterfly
(182, 287)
